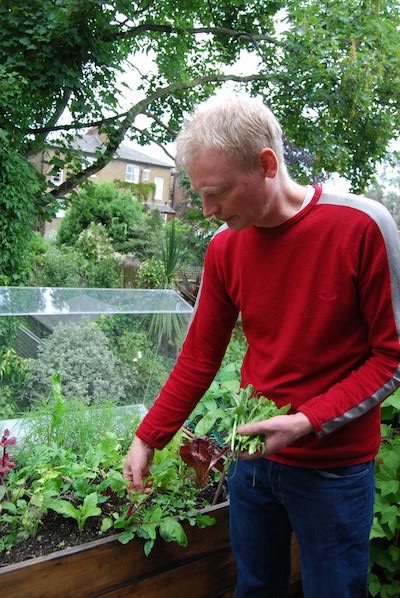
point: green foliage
(90, 262)
(13, 379)
(142, 191)
(85, 480)
(334, 91)
(81, 513)
(242, 407)
(94, 243)
(150, 274)
(81, 354)
(21, 200)
(56, 267)
(385, 534)
(162, 270)
(144, 368)
(101, 204)
(72, 424)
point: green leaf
(148, 546)
(204, 520)
(10, 507)
(126, 536)
(63, 507)
(171, 530)
(106, 524)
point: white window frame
(132, 173)
(145, 175)
(57, 178)
(158, 192)
(90, 160)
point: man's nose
(210, 207)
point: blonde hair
(238, 125)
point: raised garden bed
(106, 567)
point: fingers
(137, 464)
(251, 429)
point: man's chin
(235, 223)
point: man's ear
(269, 162)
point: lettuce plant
(202, 454)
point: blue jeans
(330, 512)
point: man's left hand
(280, 431)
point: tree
(386, 188)
(330, 75)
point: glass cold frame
(117, 344)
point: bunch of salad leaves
(240, 408)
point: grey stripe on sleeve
(381, 394)
(391, 236)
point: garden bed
(105, 567)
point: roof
(161, 207)
(90, 143)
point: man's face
(227, 192)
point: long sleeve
(198, 362)
(378, 289)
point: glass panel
(115, 345)
(44, 300)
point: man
(316, 277)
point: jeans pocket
(346, 473)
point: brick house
(128, 165)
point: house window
(57, 178)
(145, 175)
(159, 183)
(89, 161)
(132, 173)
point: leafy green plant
(81, 354)
(103, 204)
(150, 274)
(79, 482)
(75, 425)
(385, 534)
(81, 513)
(56, 267)
(243, 407)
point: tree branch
(41, 134)
(160, 123)
(149, 27)
(79, 125)
(140, 108)
(154, 140)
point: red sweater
(320, 302)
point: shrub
(101, 204)
(81, 354)
(150, 274)
(57, 267)
(144, 368)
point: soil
(57, 533)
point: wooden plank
(105, 566)
(99, 566)
(208, 577)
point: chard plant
(5, 462)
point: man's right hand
(137, 463)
